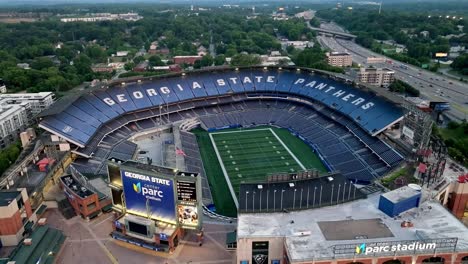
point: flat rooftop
(313, 234)
(338, 53)
(76, 187)
(7, 196)
(401, 194)
(354, 229)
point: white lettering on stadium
(323, 87)
(147, 178)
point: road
(433, 87)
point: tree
(42, 63)
(245, 60)
(82, 64)
(129, 66)
(96, 53)
(138, 59)
(461, 64)
(220, 60)
(206, 60)
(155, 60)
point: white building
(298, 44)
(37, 101)
(103, 17)
(14, 118)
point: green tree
(155, 60)
(220, 60)
(245, 60)
(206, 61)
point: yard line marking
(287, 149)
(226, 176)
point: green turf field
(238, 155)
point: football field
(234, 155)
(248, 155)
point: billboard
(149, 195)
(188, 215)
(441, 55)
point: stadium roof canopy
(79, 120)
(297, 194)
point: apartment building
(375, 76)
(339, 59)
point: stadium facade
(354, 232)
(338, 120)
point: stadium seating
(83, 118)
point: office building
(339, 59)
(377, 77)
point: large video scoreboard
(158, 193)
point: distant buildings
(275, 61)
(186, 59)
(95, 17)
(202, 51)
(339, 59)
(297, 44)
(17, 111)
(307, 15)
(424, 33)
(37, 101)
(101, 67)
(141, 67)
(121, 54)
(377, 77)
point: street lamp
(282, 191)
(253, 201)
(274, 200)
(294, 199)
(246, 194)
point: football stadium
(291, 145)
(337, 122)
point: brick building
(186, 59)
(86, 202)
(16, 216)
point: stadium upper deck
(80, 120)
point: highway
(433, 87)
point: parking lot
(89, 242)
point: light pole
(282, 191)
(274, 200)
(253, 201)
(246, 194)
(300, 204)
(260, 205)
(294, 199)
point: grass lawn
(248, 155)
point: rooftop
(75, 186)
(401, 194)
(312, 238)
(336, 53)
(7, 196)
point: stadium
(310, 136)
